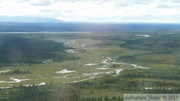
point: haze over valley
(89, 50)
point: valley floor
(98, 65)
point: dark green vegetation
(16, 71)
(131, 51)
(157, 48)
(20, 50)
(130, 81)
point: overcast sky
(165, 11)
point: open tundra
(89, 65)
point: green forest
(130, 81)
(21, 50)
(88, 67)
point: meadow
(91, 66)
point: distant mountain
(80, 27)
(28, 19)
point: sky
(158, 11)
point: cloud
(40, 2)
(164, 6)
(95, 10)
(12, 8)
(172, 1)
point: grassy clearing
(107, 52)
(95, 55)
